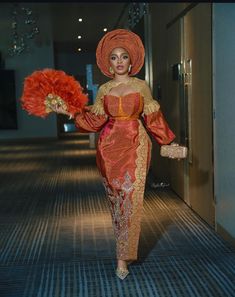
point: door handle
(188, 101)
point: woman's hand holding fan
(56, 104)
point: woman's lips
(119, 67)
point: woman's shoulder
(138, 79)
(140, 82)
(105, 86)
(102, 86)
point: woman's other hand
(60, 110)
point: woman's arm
(157, 125)
(154, 119)
(92, 118)
(88, 121)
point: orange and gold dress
(123, 154)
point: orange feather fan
(56, 84)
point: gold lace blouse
(139, 85)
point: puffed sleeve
(92, 118)
(154, 119)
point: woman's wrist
(76, 114)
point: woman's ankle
(122, 263)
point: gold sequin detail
(120, 205)
(138, 194)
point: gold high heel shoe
(122, 272)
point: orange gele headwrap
(128, 40)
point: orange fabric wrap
(128, 40)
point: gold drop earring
(129, 68)
(111, 70)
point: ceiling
(95, 16)
(63, 17)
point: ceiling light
(105, 29)
(80, 19)
(79, 36)
(79, 49)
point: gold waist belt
(125, 118)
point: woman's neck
(121, 78)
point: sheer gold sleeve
(150, 105)
(154, 119)
(98, 107)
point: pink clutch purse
(174, 151)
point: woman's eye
(112, 58)
(125, 57)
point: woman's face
(120, 61)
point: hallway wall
(223, 48)
(161, 15)
(74, 63)
(224, 122)
(40, 56)
(181, 37)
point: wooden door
(198, 50)
(190, 99)
(176, 106)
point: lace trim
(151, 107)
(138, 193)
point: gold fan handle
(53, 102)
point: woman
(124, 147)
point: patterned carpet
(56, 237)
